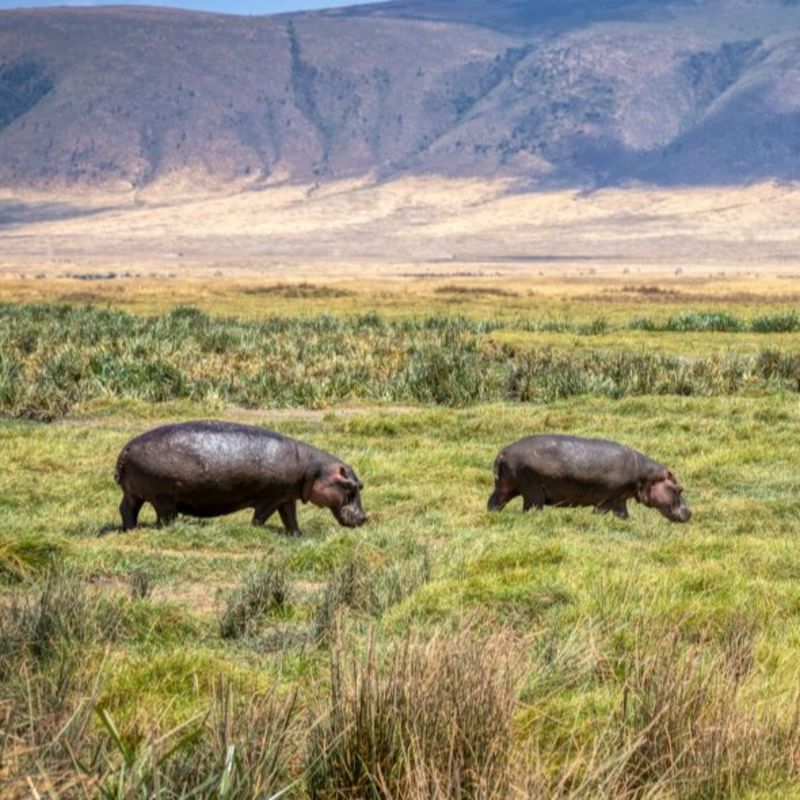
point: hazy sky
(225, 6)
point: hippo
(557, 470)
(209, 468)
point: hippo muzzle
(350, 515)
(676, 513)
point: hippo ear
(344, 480)
(671, 477)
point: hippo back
(586, 461)
(193, 451)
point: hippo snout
(350, 517)
(679, 514)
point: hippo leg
(265, 511)
(616, 504)
(288, 512)
(620, 508)
(166, 510)
(533, 497)
(129, 511)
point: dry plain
(360, 230)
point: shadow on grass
(116, 528)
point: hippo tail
(498, 463)
(495, 502)
(119, 470)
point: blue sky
(225, 6)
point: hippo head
(664, 494)
(336, 486)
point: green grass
(722, 322)
(427, 475)
(689, 344)
(55, 359)
(621, 636)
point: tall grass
(776, 323)
(57, 733)
(550, 374)
(434, 720)
(441, 719)
(54, 357)
(693, 321)
(60, 613)
(244, 747)
(457, 715)
(366, 589)
(699, 321)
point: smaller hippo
(556, 470)
(207, 469)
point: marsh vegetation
(440, 651)
(53, 358)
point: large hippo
(207, 469)
(556, 470)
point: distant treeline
(53, 357)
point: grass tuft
(367, 589)
(261, 593)
(141, 583)
(687, 721)
(428, 720)
(23, 557)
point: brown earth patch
(299, 290)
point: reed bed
(53, 358)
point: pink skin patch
(666, 496)
(337, 488)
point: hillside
(550, 94)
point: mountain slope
(551, 93)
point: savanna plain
(440, 651)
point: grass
(722, 322)
(434, 720)
(260, 593)
(702, 345)
(21, 556)
(440, 651)
(55, 358)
